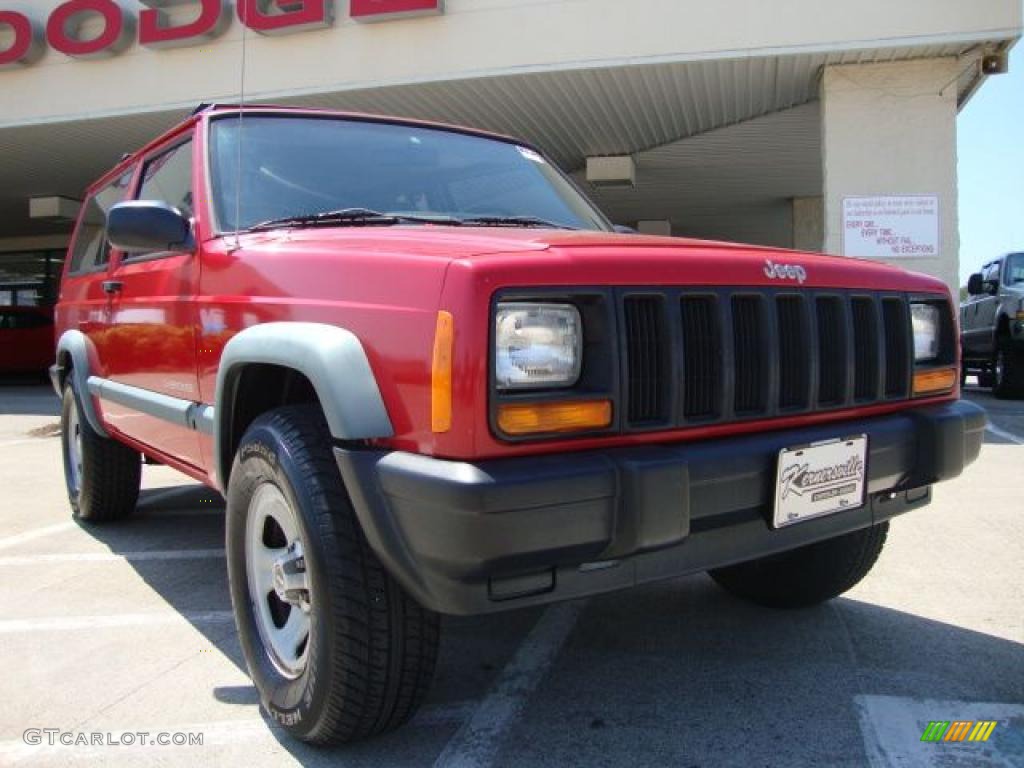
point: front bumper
(477, 538)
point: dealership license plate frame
(794, 506)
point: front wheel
(808, 575)
(1008, 372)
(337, 650)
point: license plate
(820, 479)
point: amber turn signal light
(538, 418)
(441, 374)
(934, 382)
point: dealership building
(810, 124)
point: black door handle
(110, 287)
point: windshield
(301, 166)
(1015, 268)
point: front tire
(1008, 372)
(336, 649)
(102, 475)
(806, 576)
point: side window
(991, 274)
(1015, 269)
(168, 178)
(91, 251)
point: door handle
(110, 287)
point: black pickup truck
(992, 326)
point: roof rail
(204, 107)
(207, 106)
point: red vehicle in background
(26, 339)
(429, 377)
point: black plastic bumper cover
(476, 538)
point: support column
(889, 136)
(808, 223)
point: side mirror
(975, 285)
(993, 287)
(149, 226)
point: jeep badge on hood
(785, 272)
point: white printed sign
(896, 227)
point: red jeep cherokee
(429, 377)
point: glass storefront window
(30, 278)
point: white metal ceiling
(733, 183)
(646, 109)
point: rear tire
(807, 576)
(362, 657)
(102, 475)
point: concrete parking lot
(127, 628)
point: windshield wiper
(367, 217)
(351, 217)
(513, 221)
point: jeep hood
(513, 256)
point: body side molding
(334, 361)
(183, 413)
(76, 346)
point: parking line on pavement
(998, 432)
(36, 533)
(73, 623)
(477, 742)
(114, 557)
(892, 726)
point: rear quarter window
(91, 250)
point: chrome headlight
(927, 332)
(537, 345)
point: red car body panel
(26, 339)
(393, 309)
(167, 329)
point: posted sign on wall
(891, 227)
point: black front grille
(748, 333)
(702, 357)
(647, 348)
(729, 355)
(832, 369)
(897, 347)
(865, 348)
(794, 362)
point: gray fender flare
(76, 346)
(334, 361)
